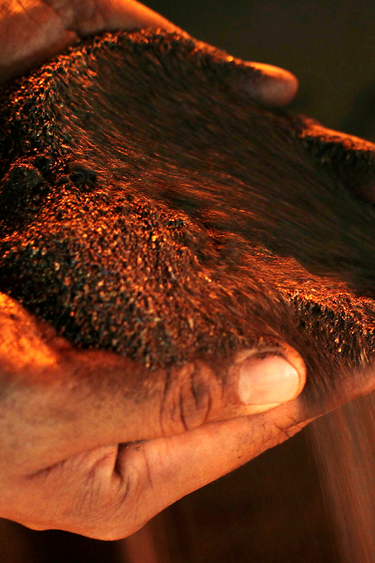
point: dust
(343, 443)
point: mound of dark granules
(149, 207)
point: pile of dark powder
(146, 207)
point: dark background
(329, 46)
(272, 510)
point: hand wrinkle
(73, 14)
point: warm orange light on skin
(59, 405)
(22, 351)
(60, 24)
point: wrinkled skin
(61, 437)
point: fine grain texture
(148, 207)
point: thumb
(98, 398)
(271, 85)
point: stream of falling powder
(344, 449)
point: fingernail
(276, 87)
(267, 379)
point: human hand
(32, 31)
(67, 414)
(96, 444)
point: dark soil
(149, 207)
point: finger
(111, 492)
(273, 86)
(30, 33)
(111, 15)
(33, 31)
(266, 84)
(161, 472)
(84, 400)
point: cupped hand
(32, 31)
(96, 444)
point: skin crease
(60, 439)
(48, 453)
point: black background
(329, 46)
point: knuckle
(108, 510)
(191, 394)
(97, 494)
